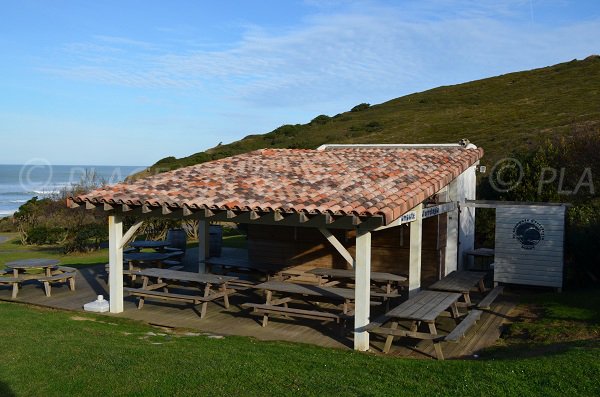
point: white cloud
(341, 55)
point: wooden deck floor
(90, 282)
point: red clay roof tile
(373, 181)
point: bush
(554, 173)
(7, 225)
(360, 107)
(287, 130)
(86, 238)
(321, 119)
(373, 126)
(43, 235)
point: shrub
(373, 126)
(360, 107)
(86, 238)
(567, 159)
(285, 130)
(42, 235)
(321, 119)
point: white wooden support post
(203, 245)
(115, 263)
(416, 238)
(362, 292)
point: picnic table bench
(309, 292)
(203, 283)
(461, 282)
(389, 282)
(5, 279)
(242, 265)
(424, 307)
(61, 274)
(45, 271)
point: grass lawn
(12, 250)
(47, 352)
(552, 349)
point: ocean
(19, 183)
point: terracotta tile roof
(360, 181)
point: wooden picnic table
(242, 264)
(308, 292)
(461, 282)
(24, 266)
(154, 279)
(156, 245)
(139, 260)
(46, 271)
(390, 282)
(424, 307)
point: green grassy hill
(501, 114)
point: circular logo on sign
(529, 233)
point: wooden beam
(208, 213)
(414, 262)
(356, 220)
(302, 217)
(337, 245)
(254, 215)
(129, 235)
(203, 245)
(362, 291)
(115, 263)
(496, 203)
(407, 217)
(442, 208)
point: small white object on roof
(100, 305)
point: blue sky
(130, 82)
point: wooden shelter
(374, 207)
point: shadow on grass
(521, 351)
(5, 390)
(570, 306)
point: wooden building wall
(307, 248)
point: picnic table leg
(390, 338)
(481, 286)
(467, 298)
(414, 326)
(454, 311)
(15, 290)
(436, 345)
(268, 301)
(72, 283)
(205, 304)
(225, 296)
(144, 286)
(131, 276)
(47, 288)
(165, 288)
